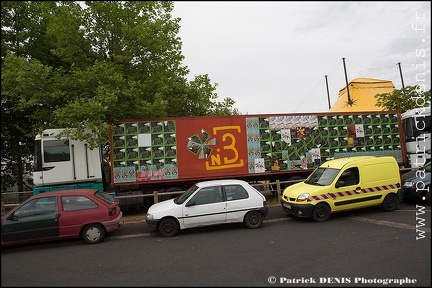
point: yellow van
(345, 184)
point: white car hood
(165, 208)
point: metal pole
(328, 95)
(400, 72)
(347, 86)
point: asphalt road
(409, 215)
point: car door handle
(358, 188)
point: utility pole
(400, 72)
(349, 102)
(328, 94)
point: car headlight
(303, 197)
(149, 216)
(408, 184)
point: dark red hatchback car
(86, 213)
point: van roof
(341, 162)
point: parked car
(345, 184)
(416, 184)
(86, 213)
(209, 203)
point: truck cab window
(56, 151)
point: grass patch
(270, 198)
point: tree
(65, 65)
(402, 100)
(137, 71)
(24, 80)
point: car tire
(321, 212)
(168, 227)
(253, 219)
(93, 233)
(390, 202)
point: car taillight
(264, 203)
(112, 211)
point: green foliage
(402, 100)
(23, 86)
(69, 66)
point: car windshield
(322, 176)
(183, 197)
(413, 173)
(409, 175)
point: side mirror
(12, 217)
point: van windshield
(322, 176)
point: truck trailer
(172, 153)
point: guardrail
(273, 187)
(6, 205)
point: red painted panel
(211, 146)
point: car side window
(208, 195)
(74, 203)
(235, 192)
(350, 177)
(37, 207)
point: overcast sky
(273, 56)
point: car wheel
(168, 227)
(321, 212)
(253, 219)
(390, 202)
(93, 233)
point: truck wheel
(253, 219)
(93, 233)
(321, 212)
(390, 202)
(168, 227)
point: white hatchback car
(209, 203)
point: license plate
(287, 205)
